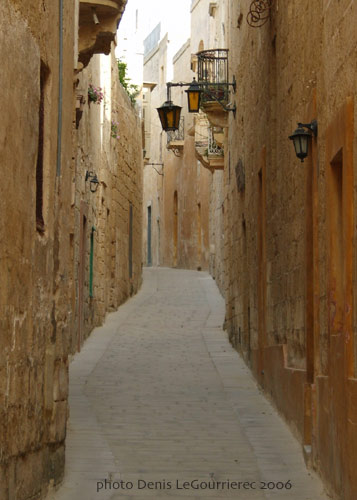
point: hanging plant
(115, 130)
(95, 94)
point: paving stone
(158, 394)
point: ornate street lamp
(169, 115)
(301, 138)
(194, 97)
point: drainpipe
(60, 90)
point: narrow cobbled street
(161, 406)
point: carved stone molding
(98, 23)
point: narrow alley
(157, 394)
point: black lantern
(194, 97)
(301, 138)
(169, 115)
(93, 183)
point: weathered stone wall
(185, 176)
(208, 31)
(35, 310)
(290, 267)
(117, 161)
(182, 228)
(155, 70)
(216, 232)
(43, 177)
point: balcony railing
(213, 69)
(213, 148)
(209, 144)
(177, 135)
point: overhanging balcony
(209, 144)
(98, 23)
(212, 73)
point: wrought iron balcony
(212, 73)
(213, 69)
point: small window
(40, 224)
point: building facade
(290, 232)
(282, 233)
(183, 172)
(106, 245)
(67, 255)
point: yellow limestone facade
(67, 256)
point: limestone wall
(155, 69)
(186, 177)
(45, 313)
(290, 264)
(35, 309)
(208, 31)
(115, 155)
(216, 229)
(180, 200)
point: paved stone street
(158, 395)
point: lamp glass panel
(193, 101)
(297, 144)
(304, 144)
(170, 118)
(177, 117)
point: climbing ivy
(130, 88)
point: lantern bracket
(311, 126)
(199, 84)
(93, 181)
(203, 85)
(153, 165)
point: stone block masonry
(113, 215)
(290, 282)
(47, 215)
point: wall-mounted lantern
(169, 114)
(93, 183)
(301, 138)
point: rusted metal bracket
(259, 13)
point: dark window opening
(40, 224)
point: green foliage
(130, 88)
